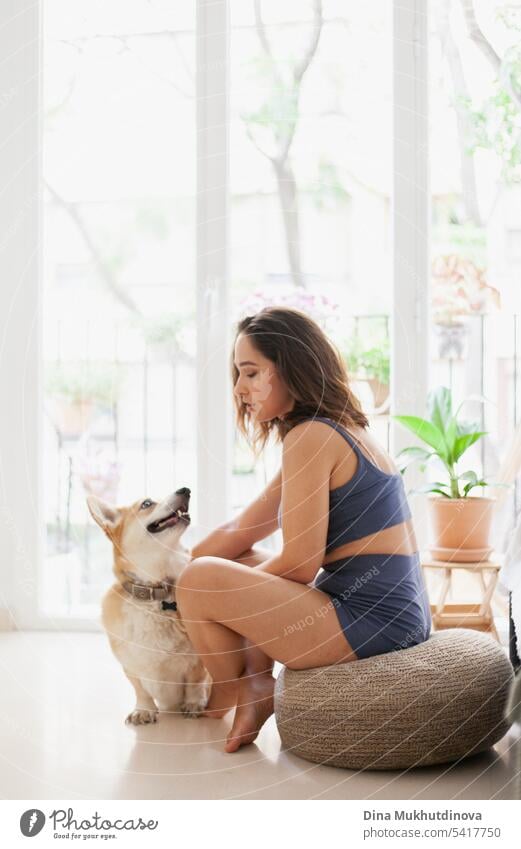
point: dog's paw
(141, 717)
(193, 709)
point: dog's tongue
(168, 523)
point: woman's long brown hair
(310, 365)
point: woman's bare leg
(256, 684)
(255, 664)
(223, 602)
(256, 660)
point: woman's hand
(282, 568)
(225, 541)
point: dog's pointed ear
(104, 514)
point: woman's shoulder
(307, 431)
(314, 440)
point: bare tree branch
(257, 145)
(284, 134)
(459, 83)
(477, 35)
(261, 29)
(106, 275)
(125, 38)
(304, 63)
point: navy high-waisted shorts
(380, 599)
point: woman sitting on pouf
(347, 583)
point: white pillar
(411, 219)
(213, 388)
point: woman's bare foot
(254, 706)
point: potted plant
(77, 389)
(459, 289)
(370, 364)
(163, 335)
(460, 523)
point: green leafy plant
(448, 438)
(373, 362)
(164, 329)
(496, 127)
(79, 381)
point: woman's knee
(202, 573)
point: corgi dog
(139, 612)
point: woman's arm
(307, 464)
(224, 541)
(257, 521)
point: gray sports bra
(369, 502)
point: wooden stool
(477, 616)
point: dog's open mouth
(169, 521)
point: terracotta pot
(72, 418)
(460, 527)
(380, 392)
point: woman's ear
(106, 516)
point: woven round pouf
(436, 702)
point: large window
(310, 95)
(119, 296)
(475, 246)
(310, 181)
(475, 161)
(297, 132)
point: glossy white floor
(62, 736)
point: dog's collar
(151, 592)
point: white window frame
(214, 437)
(21, 418)
(410, 321)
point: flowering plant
(98, 469)
(318, 306)
(459, 288)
